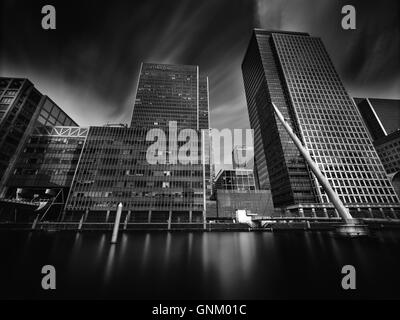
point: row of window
(324, 109)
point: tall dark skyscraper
(114, 166)
(371, 119)
(294, 71)
(279, 165)
(382, 116)
(171, 93)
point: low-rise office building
(236, 190)
(43, 171)
(113, 168)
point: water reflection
(204, 253)
(76, 251)
(247, 253)
(189, 247)
(146, 249)
(109, 264)
(100, 249)
(167, 251)
(226, 265)
(124, 246)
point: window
(165, 185)
(6, 100)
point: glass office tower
(294, 71)
(171, 93)
(278, 163)
(382, 119)
(18, 103)
(371, 119)
(381, 116)
(22, 108)
(114, 166)
(388, 149)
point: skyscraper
(114, 166)
(18, 103)
(388, 148)
(23, 108)
(171, 93)
(382, 116)
(371, 119)
(279, 164)
(294, 71)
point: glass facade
(22, 108)
(171, 93)
(388, 149)
(52, 115)
(49, 158)
(237, 179)
(278, 163)
(256, 202)
(294, 71)
(18, 103)
(114, 166)
(113, 169)
(386, 141)
(236, 190)
(371, 119)
(384, 111)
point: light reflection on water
(225, 265)
(146, 249)
(110, 264)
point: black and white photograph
(199, 156)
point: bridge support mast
(351, 226)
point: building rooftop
(264, 31)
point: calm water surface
(220, 265)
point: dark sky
(90, 64)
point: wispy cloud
(366, 58)
(90, 64)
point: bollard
(169, 220)
(35, 222)
(128, 216)
(80, 223)
(116, 224)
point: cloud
(90, 64)
(366, 58)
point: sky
(89, 65)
